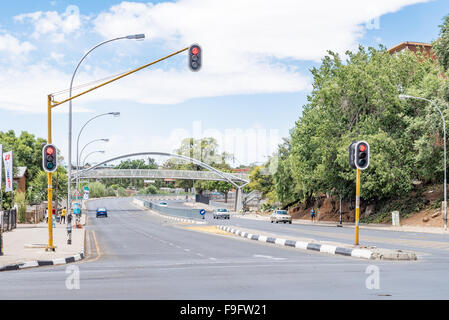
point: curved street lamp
(403, 97)
(115, 114)
(136, 37)
(79, 157)
(97, 151)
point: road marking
(97, 247)
(187, 250)
(267, 257)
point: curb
(139, 203)
(40, 263)
(182, 219)
(325, 248)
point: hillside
(422, 207)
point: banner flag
(7, 159)
(1, 162)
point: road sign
(202, 212)
(77, 195)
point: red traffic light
(50, 151)
(195, 50)
(362, 147)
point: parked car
(102, 212)
(280, 216)
(221, 213)
(163, 204)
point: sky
(253, 84)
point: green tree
(357, 99)
(38, 190)
(441, 45)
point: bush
(151, 189)
(122, 192)
(20, 200)
(97, 190)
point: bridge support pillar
(238, 199)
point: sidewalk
(383, 227)
(26, 245)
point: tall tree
(441, 45)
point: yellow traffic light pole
(357, 207)
(52, 104)
(50, 246)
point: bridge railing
(159, 174)
(177, 212)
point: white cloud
(247, 47)
(245, 43)
(52, 23)
(251, 29)
(12, 45)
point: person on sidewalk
(312, 214)
(63, 214)
(46, 215)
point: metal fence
(178, 212)
(8, 220)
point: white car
(221, 213)
(163, 204)
(280, 216)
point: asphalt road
(138, 255)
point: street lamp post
(115, 114)
(136, 37)
(403, 97)
(97, 151)
(79, 157)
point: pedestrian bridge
(162, 174)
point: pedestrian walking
(312, 214)
(63, 214)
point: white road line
(267, 257)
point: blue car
(102, 212)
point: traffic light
(352, 155)
(195, 57)
(361, 155)
(49, 157)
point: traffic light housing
(195, 57)
(49, 158)
(352, 155)
(361, 156)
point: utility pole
(1, 202)
(359, 154)
(341, 222)
(357, 208)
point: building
(20, 178)
(414, 47)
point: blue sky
(249, 93)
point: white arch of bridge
(228, 177)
